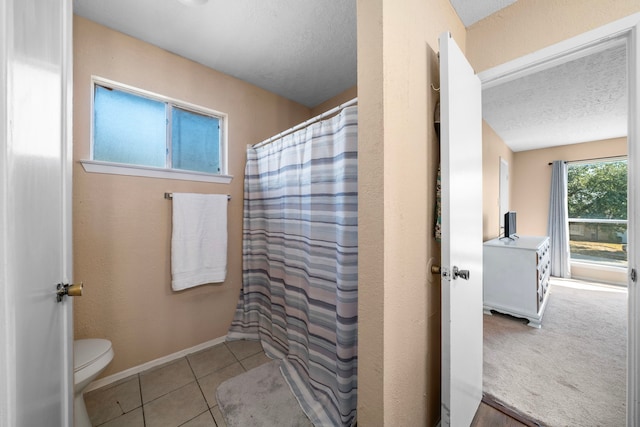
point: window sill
(602, 273)
(95, 166)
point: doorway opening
(621, 33)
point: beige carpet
(260, 398)
(572, 371)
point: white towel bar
(169, 196)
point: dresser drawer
(543, 253)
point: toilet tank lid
(87, 350)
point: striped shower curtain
(300, 263)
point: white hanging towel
(198, 240)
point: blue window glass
(128, 128)
(195, 141)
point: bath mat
(260, 398)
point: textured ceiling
(304, 50)
(472, 11)
(581, 100)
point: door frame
(7, 398)
(629, 29)
(66, 107)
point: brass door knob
(435, 269)
(74, 290)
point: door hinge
(634, 275)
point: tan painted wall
(340, 98)
(596, 273)
(371, 224)
(493, 149)
(122, 224)
(531, 178)
(399, 309)
(529, 25)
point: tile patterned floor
(180, 393)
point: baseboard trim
(101, 382)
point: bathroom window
(134, 129)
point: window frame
(99, 166)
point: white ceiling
(582, 100)
(305, 50)
(472, 11)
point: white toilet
(90, 357)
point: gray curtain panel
(558, 225)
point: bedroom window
(597, 201)
(155, 136)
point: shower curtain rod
(307, 123)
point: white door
(35, 219)
(461, 169)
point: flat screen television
(509, 224)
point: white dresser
(516, 277)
